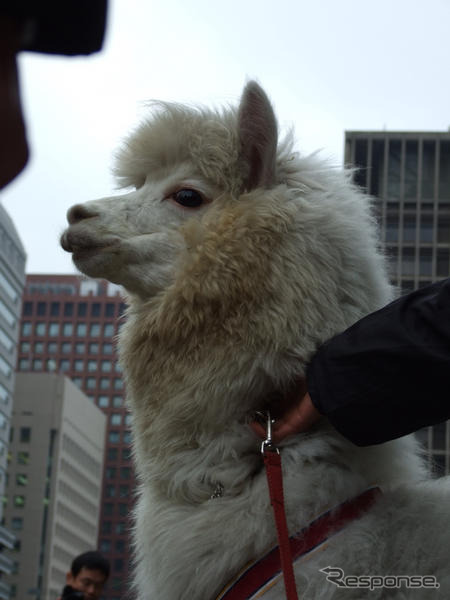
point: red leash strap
(272, 462)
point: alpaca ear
(258, 136)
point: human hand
(299, 417)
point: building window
(78, 365)
(68, 309)
(127, 437)
(66, 347)
(392, 226)
(118, 384)
(67, 329)
(27, 309)
(53, 329)
(94, 330)
(444, 171)
(117, 401)
(4, 367)
(6, 341)
(124, 491)
(26, 328)
(38, 347)
(54, 309)
(443, 232)
(41, 309)
(23, 458)
(8, 288)
(120, 545)
(93, 348)
(408, 261)
(113, 454)
(108, 330)
(52, 347)
(442, 262)
(37, 364)
(425, 262)
(103, 401)
(82, 309)
(80, 348)
(110, 491)
(21, 479)
(128, 419)
(118, 564)
(106, 366)
(24, 364)
(19, 501)
(115, 419)
(17, 523)
(409, 228)
(105, 546)
(95, 309)
(92, 365)
(90, 383)
(110, 472)
(40, 328)
(4, 397)
(8, 315)
(109, 309)
(108, 508)
(64, 365)
(81, 329)
(426, 229)
(104, 383)
(120, 527)
(126, 453)
(25, 347)
(114, 437)
(125, 472)
(25, 435)
(77, 381)
(107, 348)
(428, 163)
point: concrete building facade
(69, 325)
(408, 173)
(54, 482)
(12, 281)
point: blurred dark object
(55, 27)
(69, 593)
(71, 28)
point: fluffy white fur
(228, 301)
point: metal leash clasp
(268, 445)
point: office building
(68, 326)
(408, 173)
(54, 481)
(12, 280)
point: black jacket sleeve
(389, 374)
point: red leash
(261, 574)
(272, 463)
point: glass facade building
(408, 173)
(68, 326)
(12, 280)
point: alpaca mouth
(82, 245)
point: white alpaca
(240, 258)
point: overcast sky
(328, 66)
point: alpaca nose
(79, 212)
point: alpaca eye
(188, 198)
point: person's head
(88, 574)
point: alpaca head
(227, 226)
(180, 162)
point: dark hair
(90, 560)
